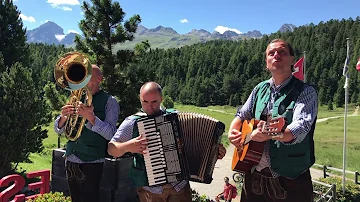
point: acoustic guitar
(250, 153)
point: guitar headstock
(273, 126)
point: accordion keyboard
(161, 158)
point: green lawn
(324, 112)
(210, 111)
(328, 137)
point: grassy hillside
(158, 41)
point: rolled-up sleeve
(245, 112)
(56, 126)
(107, 127)
(305, 112)
(125, 131)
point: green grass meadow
(328, 137)
(324, 112)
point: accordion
(181, 146)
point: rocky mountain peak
(287, 28)
(49, 33)
(160, 28)
(52, 27)
(254, 33)
(200, 32)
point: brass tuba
(73, 72)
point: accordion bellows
(181, 146)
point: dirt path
(222, 169)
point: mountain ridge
(158, 37)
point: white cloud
(65, 8)
(222, 29)
(42, 22)
(27, 18)
(184, 21)
(72, 31)
(55, 3)
(81, 13)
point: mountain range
(159, 37)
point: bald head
(151, 98)
(150, 87)
(96, 78)
(96, 71)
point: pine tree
(330, 105)
(56, 100)
(23, 110)
(12, 36)
(23, 113)
(103, 27)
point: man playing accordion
(127, 139)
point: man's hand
(86, 112)
(259, 136)
(235, 139)
(137, 145)
(222, 151)
(67, 110)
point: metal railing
(329, 195)
(326, 168)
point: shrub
(51, 197)
(196, 197)
(168, 102)
(330, 105)
(352, 190)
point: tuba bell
(73, 72)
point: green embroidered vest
(138, 171)
(286, 160)
(91, 146)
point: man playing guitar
(282, 172)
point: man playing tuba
(85, 155)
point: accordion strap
(140, 114)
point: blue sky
(267, 16)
